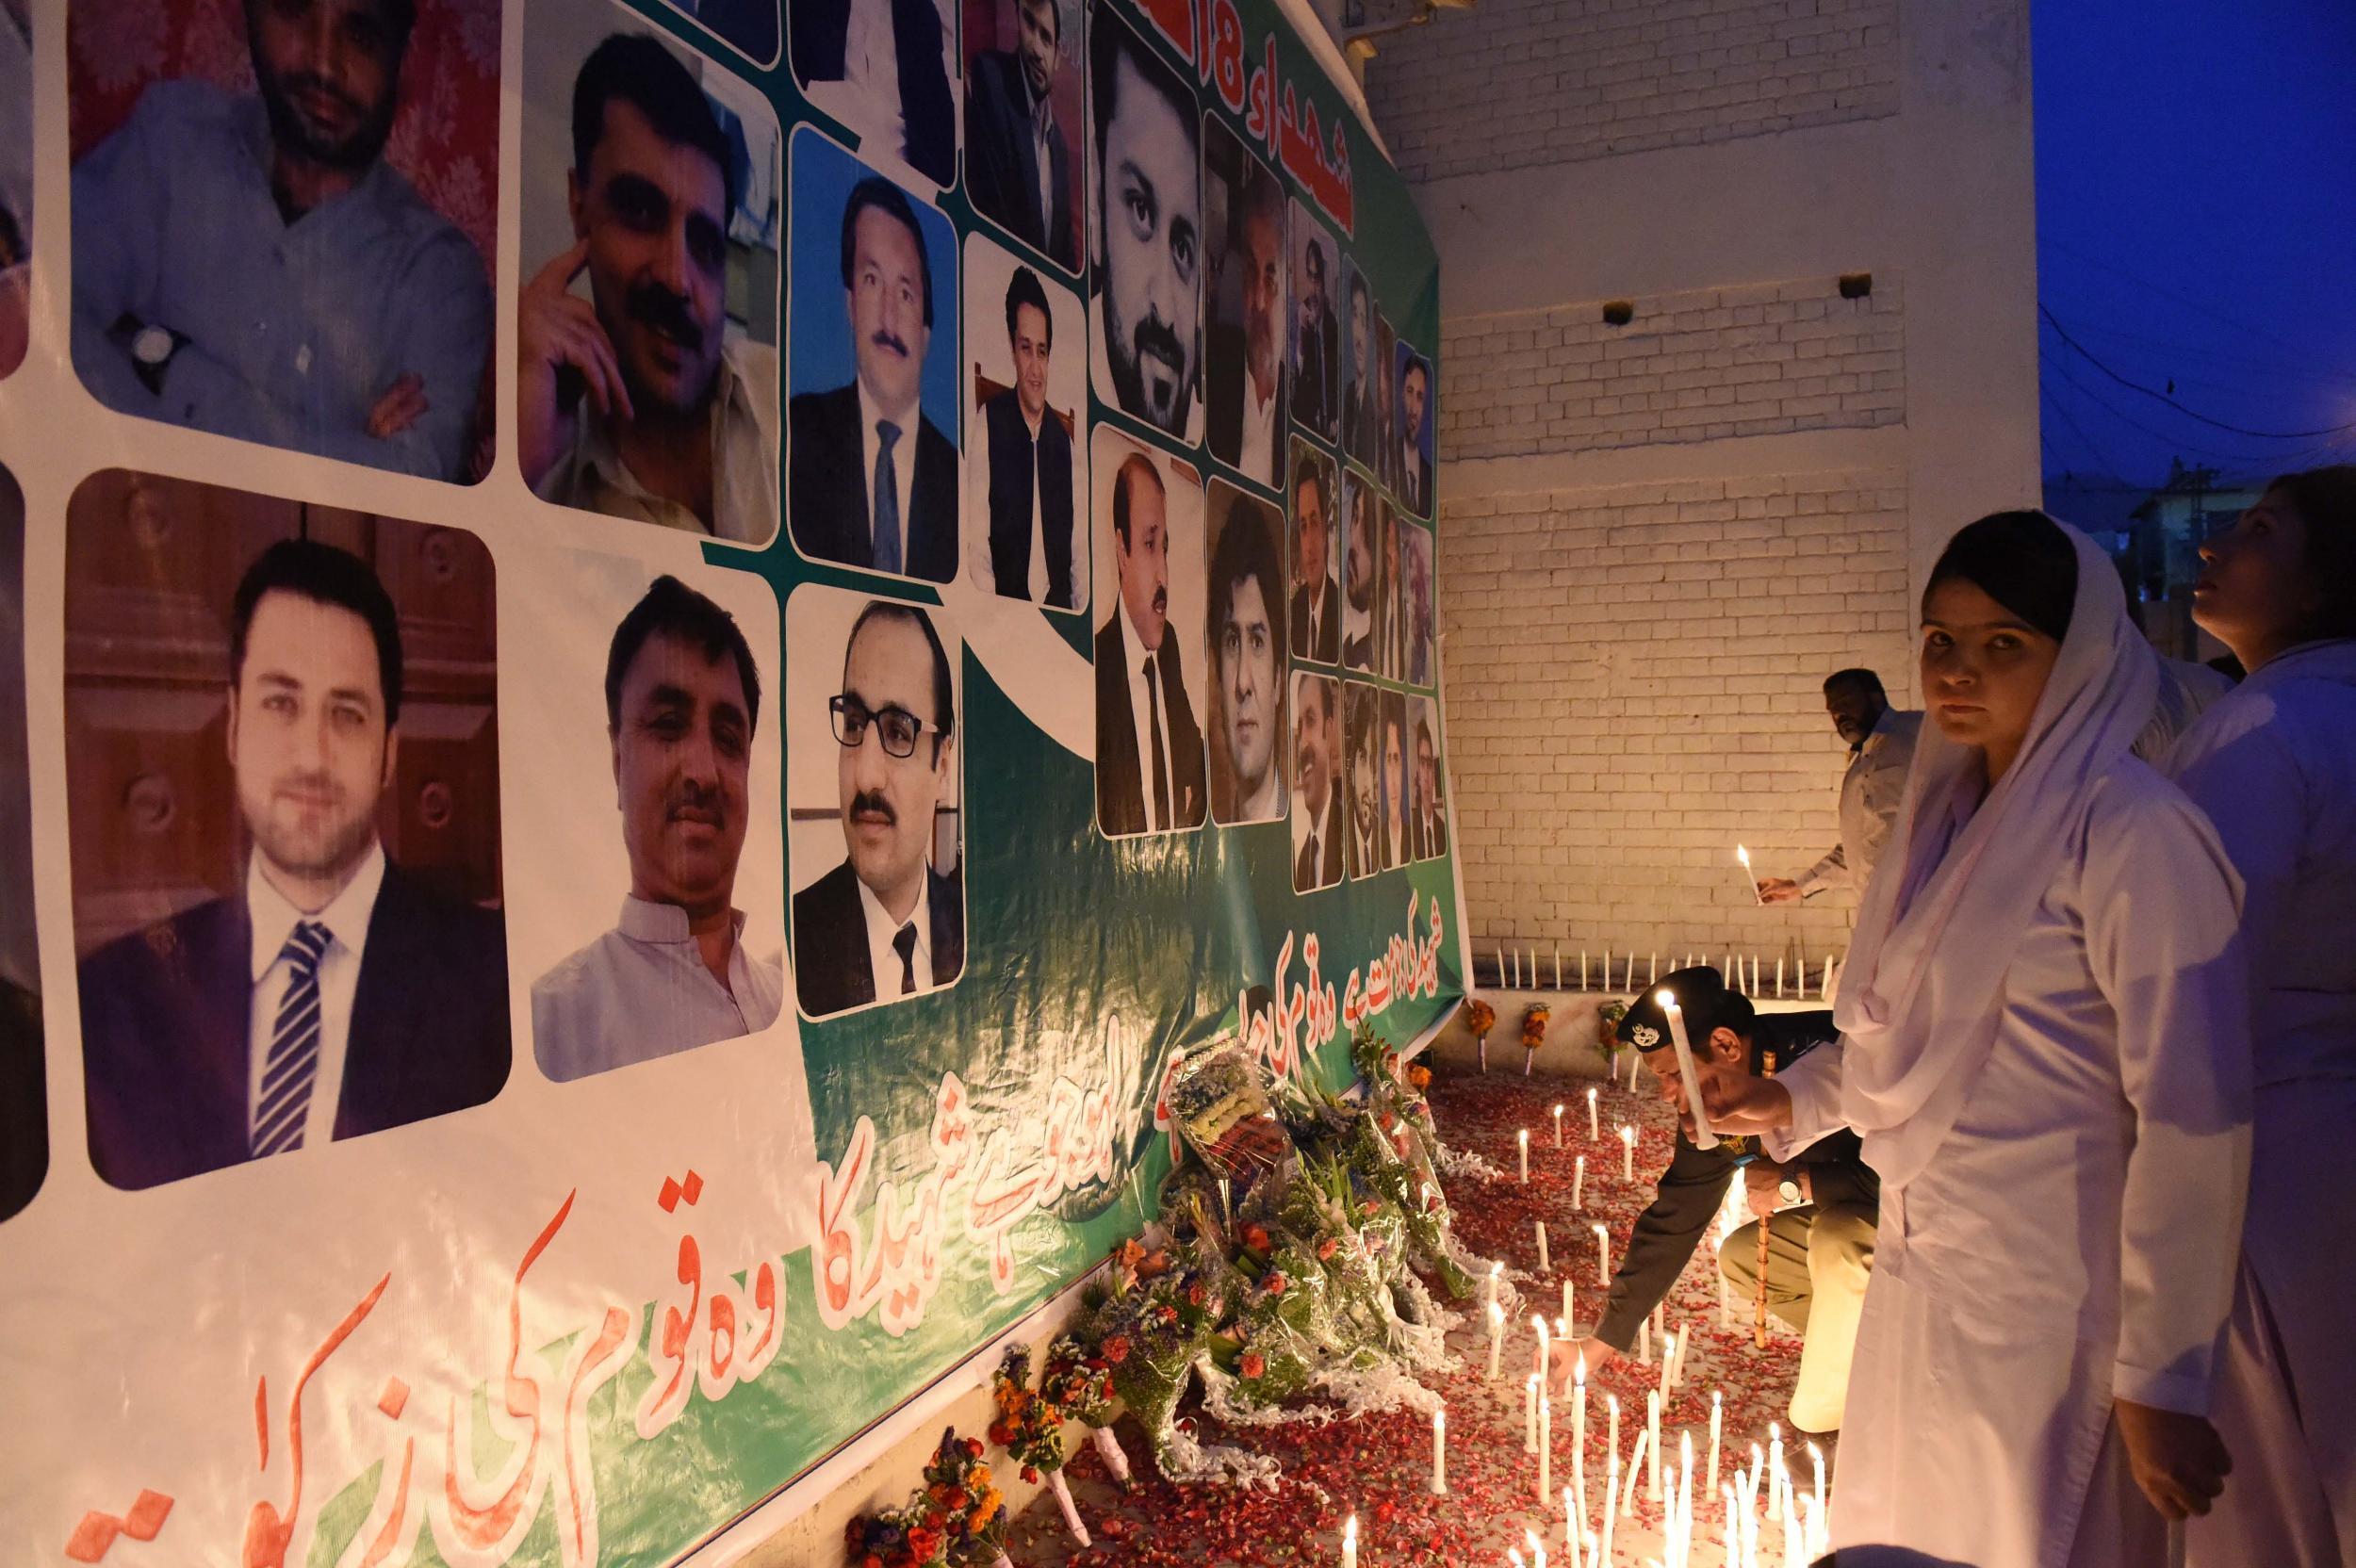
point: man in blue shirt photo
(251, 265)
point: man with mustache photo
(871, 480)
(683, 697)
(1317, 348)
(1248, 662)
(1363, 710)
(333, 994)
(1146, 326)
(885, 923)
(1317, 824)
(1430, 824)
(1317, 611)
(635, 401)
(1149, 751)
(1361, 411)
(1360, 621)
(251, 265)
(1245, 393)
(1415, 464)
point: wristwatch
(1789, 1190)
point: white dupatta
(1923, 991)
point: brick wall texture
(1759, 359)
(1634, 680)
(1557, 81)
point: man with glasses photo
(885, 924)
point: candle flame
(1665, 997)
(1742, 855)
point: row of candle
(1578, 1180)
(1514, 975)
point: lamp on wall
(1618, 312)
(1856, 286)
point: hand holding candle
(1703, 1136)
(1748, 880)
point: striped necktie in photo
(293, 1063)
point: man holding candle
(1822, 1205)
(1881, 744)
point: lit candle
(1595, 1129)
(1557, 1126)
(1603, 1256)
(1776, 1475)
(1546, 1446)
(1652, 1432)
(1544, 1267)
(1717, 1415)
(1349, 1542)
(1496, 1339)
(1524, 1139)
(1226, 1210)
(1627, 1153)
(1530, 1414)
(1703, 1137)
(1537, 1548)
(1495, 1270)
(1439, 1453)
(1578, 1183)
(1734, 1532)
(1748, 880)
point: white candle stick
(1349, 1542)
(1652, 1431)
(1607, 968)
(1823, 991)
(1524, 1139)
(1644, 1339)
(1578, 1183)
(1496, 1339)
(1439, 1453)
(1500, 963)
(1539, 1324)
(1530, 1414)
(1579, 1437)
(1603, 1256)
(1628, 981)
(1568, 1316)
(1495, 1269)
(1545, 1446)
(1778, 978)
(1557, 1126)
(1517, 968)
(1717, 1415)
(1582, 969)
(1703, 1136)
(1748, 880)
(1635, 1475)
(1610, 1503)
(1627, 1153)
(1668, 1361)
(1816, 1458)
(1544, 1267)
(1572, 1528)
(1558, 966)
(1685, 1495)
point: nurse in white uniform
(2045, 1049)
(2274, 765)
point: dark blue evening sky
(2196, 170)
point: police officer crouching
(1820, 1210)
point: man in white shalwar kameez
(2045, 1051)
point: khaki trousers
(1818, 1261)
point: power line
(2175, 442)
(2155, 393)
(2275, 370)
(2106, 466)
(2166, 293)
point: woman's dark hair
(2022, 560)
(2325, 500)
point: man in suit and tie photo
(1430, 825)
(1317, 346)
(1316, 820)
(871, 480)
(885, 923)
(882, 68)
(1247, 660)
(333, 995)
(1146, 327)
(1018, 160)
(1149, 751)
(683, 697)
(1316, 609)
(1361, 617)
(1244, 370)
(1362, 410)
(1362, 713)
(1415, 464)
(1022, 472)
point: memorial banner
(657, 663)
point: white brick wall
(1702, 365)
(1633, 686)
(1561, 80)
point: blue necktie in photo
(293, 1062)
(886, 511)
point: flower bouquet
(1079, 1382)
(1479, 1018)
(1534, 1033)
(1031, 1428)
(959, 1520)
(1608, 1039)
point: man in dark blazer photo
(1018, 159)
(886, 923)
(1317, 814)
(871, 480)
(1316, 604)
(1243, 390)
(1415, 464)
(333, 995)
(841, 42)
(1149, 773)
(1316, 341)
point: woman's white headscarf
(1923, 991)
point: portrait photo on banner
(887, 72)
(1362, 767)
(748, 27)
(282, 721)
(1145, 324)
(285, 234)
(1363, 618)
(1363, 369)
(24, 1094)
(16, 180)
(1412, 482)
(1316, 337)
(1390, 620)
(872, 429)
(1246, 655)
(1414, 604)
(1026, 402)
(1150, 684)
(1382, 461)
(1320, 826)
(1026, 126)
(652, 917)
(874, 793)
(1391, 756)
(647, 323)
(1244, 291)
(1427, 822)
(1312, 502)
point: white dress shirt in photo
(274, 918)
(643, 990)
(1258, 456)
(1143, 669)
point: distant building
(2159, 558)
